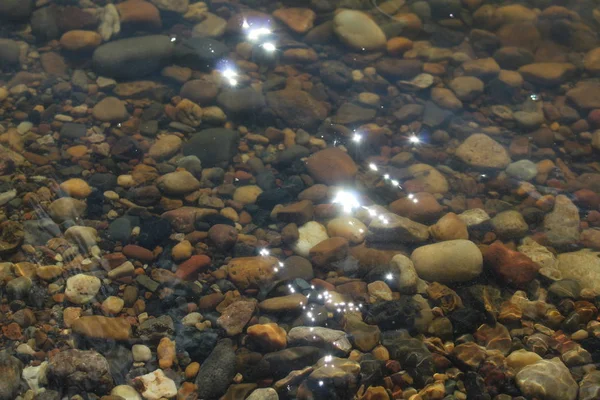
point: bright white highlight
(231, 76)
(347, 200)
(256, 33)
(268, 46)
(414, 139)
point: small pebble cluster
(329, 199)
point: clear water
(299, 200)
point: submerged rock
(547, 379)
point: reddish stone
(113, 260)
(593, 218)
(331, 166)
(328, 251)
(12, 331)
(189, 268)
(587, 198)
(321, 284)
(223, 236)
(138, 252)
(509, 265)
(594, 118)
(590, 238)
(422, 207)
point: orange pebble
(398, 45)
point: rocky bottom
(327, 199)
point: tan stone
(139, 12)
(270, 336)
(300, 20)
(76, 187)
(98, 327)
(79, 40)
(250, 272)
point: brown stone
(165, 352)
(510, 266)
(223, 236)
(331, 166)
(138, 252)
(139, 12)
(98, 327)
(80, 40)
(424, 209)
(250, 272)
(329, 251)
(300, 20)
(292, 302)
(270, 337)
(189, 268)
(300, 212)
(236, 316)
(449, 227)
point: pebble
(358, 31)
(77, 188)
(481, 151)
(331, 166)
(330, 338)
(511, 266)
(132, 57)
(156, 385)
(310, 234)
(166, 146)
(549, 379)
(141, 353)
(350, 228)
(217, 371)
(177, 183)
(247, 194)
(110, 109)
(510, 224)
(126, 392)
(562, 224)
(82, 289)
(523, 170)
(269, 336)
(450, 261)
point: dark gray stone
(9, 52)
(154, 329)
(214, 146)
(241, 100)
(336, 73)
(44, 24)
(133, 57)
(10, 376)
(38, 232)
(18, 288)
(217, 371)
(119, 230)
(435, 116)
(199, 53)
(284, 361)
(291, 154)
(103, 182)
(72, 130)
(87, 371)
(349, 113)
(146, 282)
(412, 353)
(15, 10)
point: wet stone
(547, 378)
(83, 370)
(217, 371)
